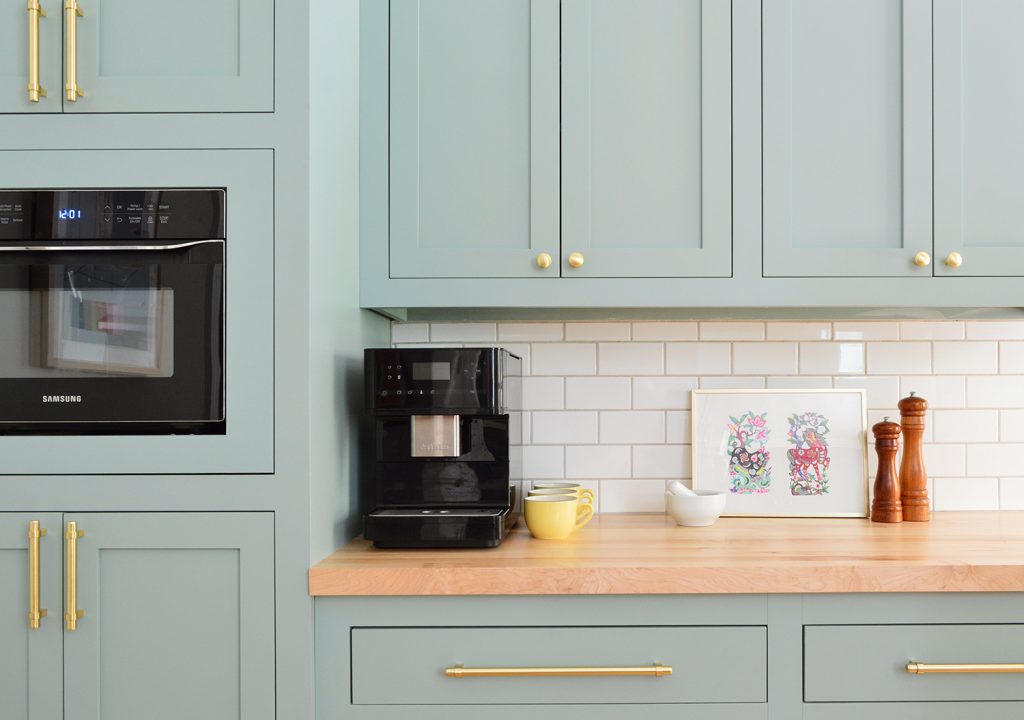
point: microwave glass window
(431, 371)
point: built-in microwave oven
(112, 311)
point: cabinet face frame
(712, 256)
(781, 257)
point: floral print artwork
(749, 470)
(808, 458)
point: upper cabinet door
(30, 652)
(979, 137)
(25, 35)
(176, 56)
(646, 138)
(178, 617)
(474, 137)
(847, 137)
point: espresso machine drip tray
(439, 527)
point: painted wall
(608, 403)
(342, 329)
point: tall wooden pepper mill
(913, 477)
(886, 507)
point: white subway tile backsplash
(821, 358)
(597, 461)
(463, 332)
(899, 358)
(564, 428)
(564, 359)
(530, 332)
(665, 331)
(607, 403)
(965, 358)
(966, 426)
(632, 427)
(732, 331)
(764, 358)
(597, 393)
(995, 330)
(597, 331)
(698, 358)
(662, 393)
(631, 358)
(966, 493)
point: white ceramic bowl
(697, 510)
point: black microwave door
(126, 341)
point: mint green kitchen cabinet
(646, 138)
(173, 617)
(847, 137)
(142, 56)
(474, 137)
(30, 655)
(979, 139)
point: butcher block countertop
(647, 554)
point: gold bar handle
(916, 668)
(71, 14)
(71, 612)
(35, 613)
(655, 670)
(35, 89)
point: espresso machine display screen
(431, 371)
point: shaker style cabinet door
(30, 646)
(30, 53)
(177, 56)
(979, 138)
(847, 181)
(473, 113)
(178, 617)
(646, 138)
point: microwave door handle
(106, 248)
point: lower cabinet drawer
(868, 663)
(709, 664)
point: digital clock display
(69, 214)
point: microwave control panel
(111, 215)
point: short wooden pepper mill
(913, 477)
(886, 506)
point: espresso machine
(446, 427)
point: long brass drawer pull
(71, 14)
(655, 670)
(35, 613)
(72, 614)
(916, 668)
(35, 88)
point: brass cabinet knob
(922, 259)
(544, 261)
(576, 260)
(954, 260)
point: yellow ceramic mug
(555, 517)
(566, 488)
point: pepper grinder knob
(913, 475)
(886, 506)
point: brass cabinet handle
(954, 260)
(576, 260)
(35, 613)
(35, 89)
(71, 14)
(71, 611)
(922, 259)
(916, 668)
(655, 670)
(544, 261)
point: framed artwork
(783, 453)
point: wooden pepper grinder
(886, 507)
(913, 477)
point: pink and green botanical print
(808, 458)
(748, 460)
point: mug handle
(587, 494)
(587, 511)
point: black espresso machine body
(446, 450)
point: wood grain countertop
(649, 554)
